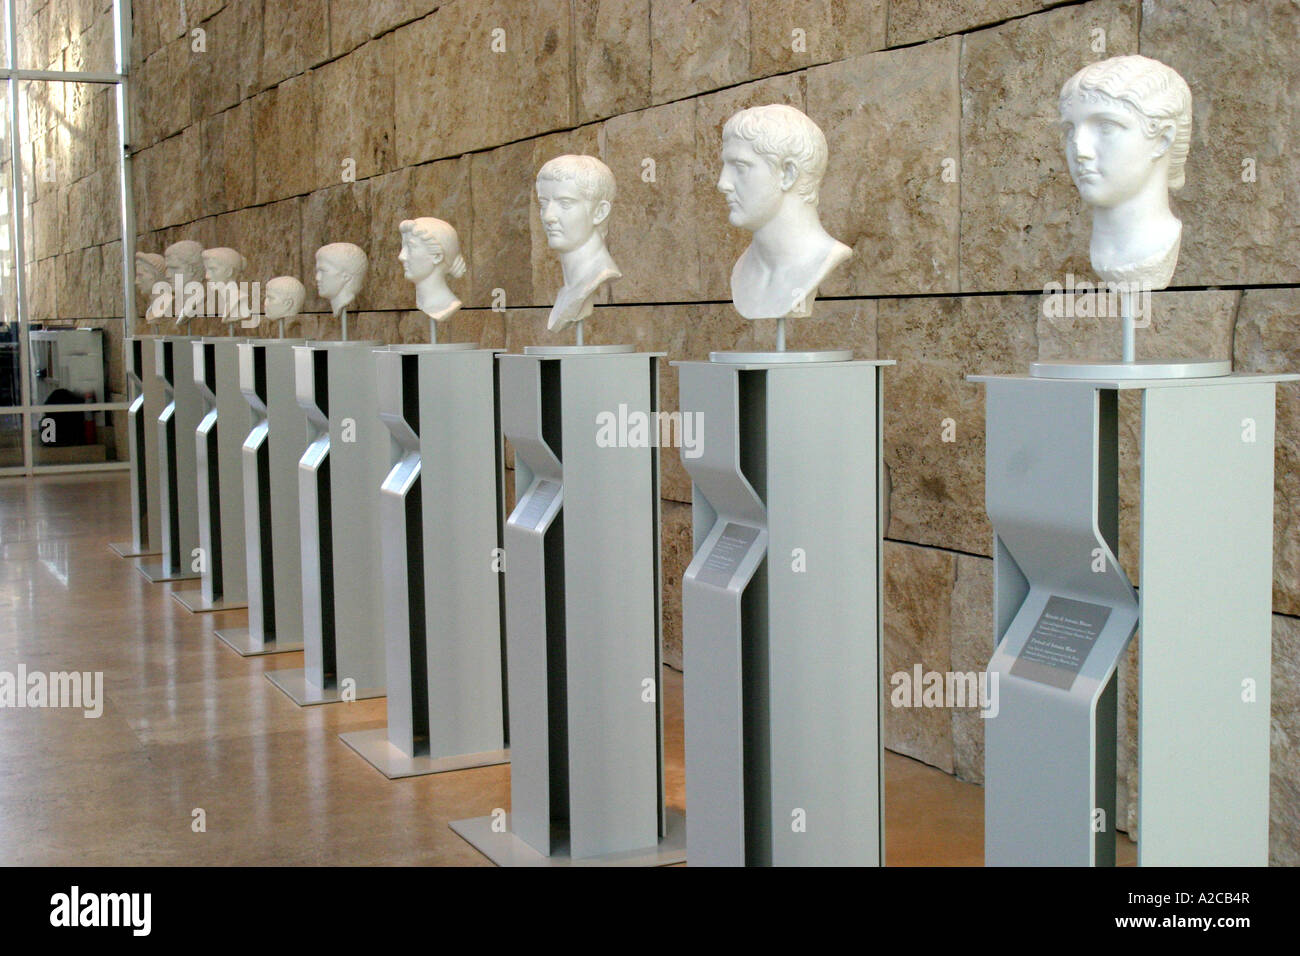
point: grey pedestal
(269, 458)
(781, 614)
(178, 505)
(440, 515)
(219, 439)
(339, 476)
(142, 440)
(1065, 611)
(582, 614)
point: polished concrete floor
(188, 725)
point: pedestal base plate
(506, 849)
(294, 683)
(375, 747)
(781, 358)
(126, 549)
(156, 572)
(240, 640)
(194, 602)
(1121, 371)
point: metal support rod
(1127, 317)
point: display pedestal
(142, 440)
(440, 514)
(339, 477)
(781, 615)
(269, 457)
(219, 439)
(1064, 612)
(582, 614)
(178, 503)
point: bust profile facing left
(430, 253)
(575, 195)
(184, 263)
(340, 271)
(151, 282)
(222, 267)
(1128, 127)
(773, 160)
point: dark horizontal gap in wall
(828, 298)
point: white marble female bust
(575, 195)
(1128, 127)
(430, 254)
(222, 267)
(773, 160)
(151, 282)
(184, 263)
(284, 298)
(340, 272)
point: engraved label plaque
(729, 550)
(534, 509)
(1060, 642)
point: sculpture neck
(432, 296)
(788, 233)
(1124, 224)
(575, 263)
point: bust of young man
(185, 259)
(284, 298)
(340, 271)
(222, 267)
(575, 195)
(151, 282)
(1128, 127)
(773, 160)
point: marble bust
(340, 271)
(575, 195)
(184, 263)
(1128, 126)
(222, 267)
(430, 254)
(151, 282)
(284, 298)
(773, 160)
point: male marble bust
(151, 282)
(185, 259)
(430, 253)
(773, 160)
(222, 267)
(340, 271)
(575, 195)
(1128, 127)
(284, 298)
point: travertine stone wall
(307, 121)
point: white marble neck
(778, 275)
(434, 298)
(1137, 240)
(585, 269)
(340, 302)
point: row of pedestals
(352, 496)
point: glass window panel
(11, 441)
(10, 348)
(65, 36)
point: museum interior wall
(275, 127)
